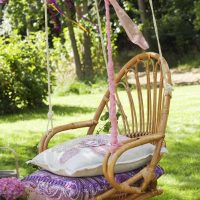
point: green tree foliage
(22, 67)
(197, 13)
(176, 25)
(23, 79)
(25, 15)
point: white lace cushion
(84, 156)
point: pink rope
(111, 79)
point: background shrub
(23, 76)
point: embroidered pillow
(84, 156)
(50, 186)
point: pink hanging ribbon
(129, 26)
(137, 38)
(111, 78)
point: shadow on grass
(41, 113)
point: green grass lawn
(182, 165)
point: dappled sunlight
(181, 180)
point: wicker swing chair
(143, 119)
(145, 123)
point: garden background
(79, 77)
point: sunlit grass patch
(182, 164)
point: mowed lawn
(182, 165)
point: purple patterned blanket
(52, 186)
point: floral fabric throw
(49, 186)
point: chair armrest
(71, 126)
(47, 137)
(111, 159)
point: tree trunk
(1, 13)
(87, 58)
(74, 45)
(142, 9)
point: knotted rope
(50, 112)
(168, 87)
